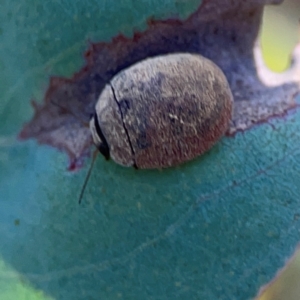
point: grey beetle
(162, 111)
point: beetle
(162, 111)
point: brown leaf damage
(223, 31)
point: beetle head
(98, 137)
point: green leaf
(218, 227)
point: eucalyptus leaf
(218, 227)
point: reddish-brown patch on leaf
(283, 115)
(224, 31)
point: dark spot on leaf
(296, 217)
(233, 37)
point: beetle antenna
(84, 123)
(88, 175)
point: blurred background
(279, 35)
